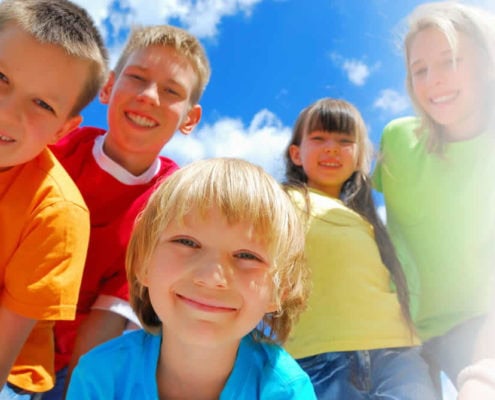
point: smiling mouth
(203, 306)
(330, 164)
(141, 120)
(444, 99)
(6, 139)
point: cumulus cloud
(391, 101)
(357, 71)
(200, 17)
(261, 142)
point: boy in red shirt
(153, 92)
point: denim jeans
(391, 374)
(10, 392)
(452, 351)
(57, 392)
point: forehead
(41, 69)
(431, 42)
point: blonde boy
(152, 93)
(52, 62)
(218, 248)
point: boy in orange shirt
(52, 62)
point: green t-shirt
(441, 218)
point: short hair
(179, 39)
(64, 24)
(243, 192)
(450, 18)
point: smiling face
(327, 158)
(148, 101)
(209, 280)
(448, 86)
(39, 86)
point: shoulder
(52, 184)
(168, 166)
(280, 375)
(132, 345)
(73, 141)
(400, 129)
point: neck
(189, 371)
(135, 163)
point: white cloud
(262, 142)
(357, 71)
(200, 17)
(391, 101)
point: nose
(331, 146)
(211, 273)
(149, 94)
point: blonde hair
(182, 41)
(243, 192)
(64, 24)
(450, 18)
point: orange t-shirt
(44, 233)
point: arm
(477, 382)
(13, 333)
(99, 327)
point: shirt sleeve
(43, 277)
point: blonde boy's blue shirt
(124, 369)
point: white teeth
(443, 99)
(141, 121)
(6, 139)
(334, 165)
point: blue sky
(271, 58)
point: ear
(142, 276)
(106, 90)
(68, 126)
(191, 120)
(271, 307)
(295, 154)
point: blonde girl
(437, 175)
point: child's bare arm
(14, 332)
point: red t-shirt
(113, 207)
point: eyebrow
(446, 52)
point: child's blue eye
(171, 91)
(186, 242)
(3, 78)
(44, 105)
(247, 256)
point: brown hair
(64, 24)
(335, 115)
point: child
(437, 176)
(355, 341)
(52, 62)
(152, 92)
(218, 248)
